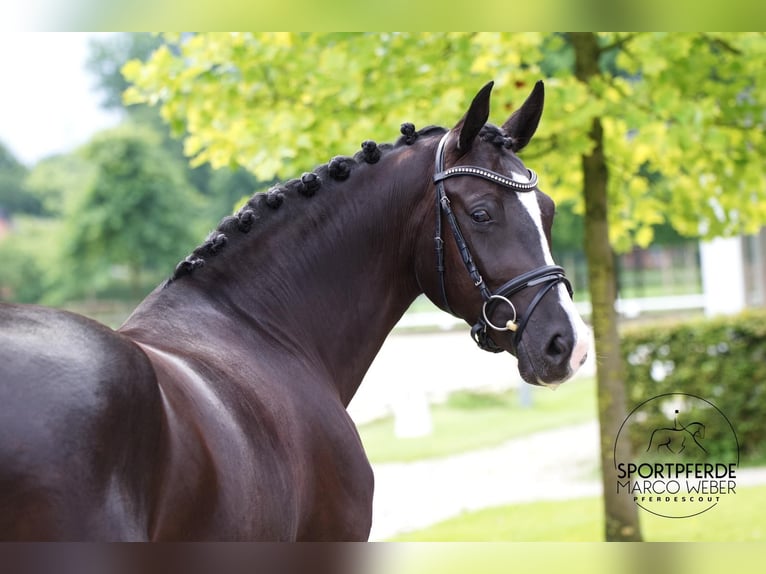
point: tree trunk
(621, 514)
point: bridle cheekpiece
(548, 275)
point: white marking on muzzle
(579, 328)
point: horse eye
(480, 216)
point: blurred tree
(137, 211)
(30, 259)
(675, 134)
(26, 243)
(639, 130)
(108, 54)
(14, 196)
(56, 179)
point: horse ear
(522, 124)
(474, 119)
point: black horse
(218, 410)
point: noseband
(548, 276)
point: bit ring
(510, 325)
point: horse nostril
(558, 348)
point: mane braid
(495, 136)
(338, 169)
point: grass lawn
(471, 420)
(738, 518)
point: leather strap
(548, 275)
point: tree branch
(722, 44)
(618, 43)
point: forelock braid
(491, 134)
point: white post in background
(723, 275)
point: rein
(548, 276)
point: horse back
(79, 425)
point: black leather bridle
(548, 276)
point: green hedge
(722, 360)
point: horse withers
(217, 411)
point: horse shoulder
(257, 448)
(209, 487)
(337, 497)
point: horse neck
(324, 278)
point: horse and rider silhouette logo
(678, 440)
(676, 455)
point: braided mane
(338, 169)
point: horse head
(496, 271)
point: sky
(48, 103)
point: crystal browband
(510, 182)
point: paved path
(547, 465)
(552, 465)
